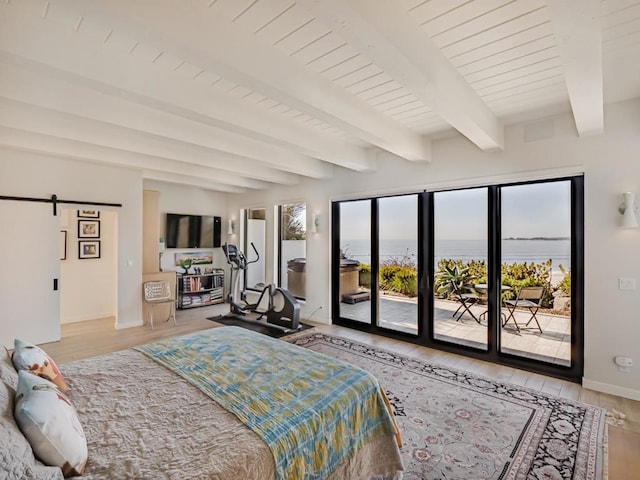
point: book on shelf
(216, 294)
(200, 289)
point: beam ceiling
(235, 95)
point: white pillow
(27, 356)
(16, 456)
(50, 423)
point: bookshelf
(199, 290)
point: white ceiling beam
(384, 32)
(66, 148)
(244, 59)
(100, 68)
(188, 180)
(578, 32)
(37, 84)
(49, 122)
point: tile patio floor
(552, 345)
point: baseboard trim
(87, 318)
(322, 320)
(120, 326)
(611, 389)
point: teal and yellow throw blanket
(311, 410)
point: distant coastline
(513, 250)
(537, 238)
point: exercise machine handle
(256, 252)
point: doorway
(88, 266)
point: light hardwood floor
(88, 339)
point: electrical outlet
(626, 283)
(624, 363)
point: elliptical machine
(283, 310)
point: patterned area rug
(456, 425)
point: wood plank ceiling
(232, 95)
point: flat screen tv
(192, 231)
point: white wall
(193, 201)
(610, 165)
(88, 287)
(34, 175)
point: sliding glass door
(398, 263)
(354, 280)
(292, 248)
(379, 288)
(492, 272)
(536, 271)
(460, 258)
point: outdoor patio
(552, 345)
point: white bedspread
(144, 422)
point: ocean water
(513, 251)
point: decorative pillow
(27, 356)
(48, 420)
(16, 456)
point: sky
(533, 210)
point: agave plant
(452, 279)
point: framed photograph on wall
(196, 258)
(88, 249)
(63, 244)
(88, 213)
(88, 228)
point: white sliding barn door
(30, 261)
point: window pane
(256, 234)
(536, 269)
(398, 263)
(460, 259)
(355, 260)
(293, 248)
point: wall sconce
(315, 223)
(231, 228)
(628, 211)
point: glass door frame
(280, 238)
(248, 251)
(426, 267)
(373, 326)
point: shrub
(564, 287)
(401, 276)
(392, 277)
(399, 279)
(405, 282)
(518, 275)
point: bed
(142, 420)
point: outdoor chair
(467, 299)
(528, 298)
(159, 293)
